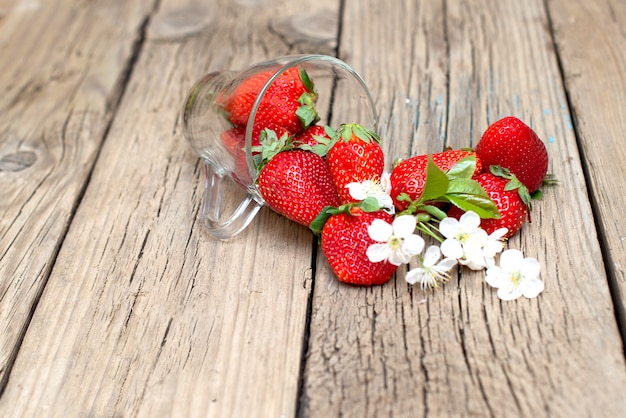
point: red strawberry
(288, 102)
(234, 142)
(297, 184)
(409, 176)
(345, 241)
(312, 136)
(511, 144)
(355, 156)
(513, 210)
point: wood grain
(595, 82)
(115, 302)
(63, 70)
(144, 314)
(393, 351)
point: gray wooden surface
(115, 302)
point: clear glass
(343, 97)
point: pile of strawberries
(306, 172)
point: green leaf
(271, 145)
(347, 130)
(483, 206)
(404, 197)
(436, 184)
(464, 168)
(320, 220)
(466, 186)
(306, 80)
(330, 131)
(537, 195)
(370, 204)
(307, 114)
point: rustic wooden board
(144, 314)
(393, 351)
(594, 78)
(63, 70)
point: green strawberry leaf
(370, 204)
(466, 186)
(347, 130)
(483, 206)
(306, 80)
(270, 146)
(436, 183)
(330, 131)
(463, 169)
(513, 184)
(320, 220)
(307, 112)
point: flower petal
(509, 293)
(404, 225)
(448, 227)
(385, 182)
(452, 248)
(432, 255)
(530, 268)
(446, 264)
(470, 221)
(498, 233)
(357, 191)
(494, 276)
(415, 275)
(510, 260)
(380, 230)
(413, 244)
(399, 257)
(378, 252)
(532, 288)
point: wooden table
(114, 301)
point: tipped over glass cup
(225, 137)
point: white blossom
(395, 243)
(379, 189)
(515, 276)
(432, 271)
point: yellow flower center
(395, 242)
(516, 277)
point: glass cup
(226, 149)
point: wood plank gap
(112, 106)
(609, 263)
(307, 331)
(341, 14)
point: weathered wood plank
(144, 314)
(63, 67)
(393, 351)
(590, 39)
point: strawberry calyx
(270, 146)
(369, 204)
(306, 112)
(322, 145)
(347, 131)
(515, 184)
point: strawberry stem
(370, 204)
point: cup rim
(286, 63)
